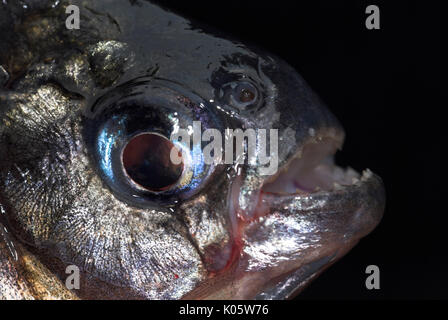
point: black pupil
(247, 95)
(146, 159)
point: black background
(369, 79)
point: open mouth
(312, 170)
(307, 216)
(318, 209)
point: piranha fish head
(86, 177)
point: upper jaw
(352, 209)
(311, 168)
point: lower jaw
(294, 276)
(269, 284)
(285, 281)
(293, 282)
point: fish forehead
(165, 40)
(168, 46)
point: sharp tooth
(366, 174)
(355, 180)
(337, 186)
(4, 76)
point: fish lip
(289, 284)
(362, 203)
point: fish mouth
(310, 198)
(312, 169)
(312, 179)
(308, 216)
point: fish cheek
(58, 204)
(145, 252)
(39, 139)
(210, 225)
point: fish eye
(246, 95)
(240, 94)
(129, 132)
(146, 161)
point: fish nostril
(146, 160)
